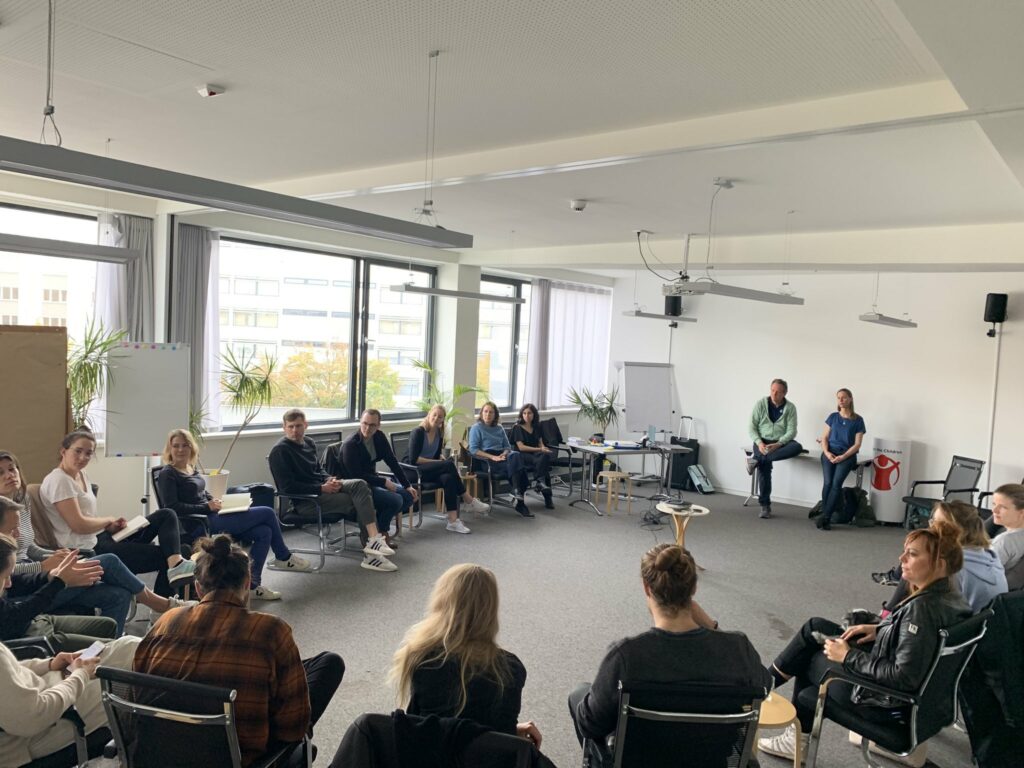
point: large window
(502, 342)
(340, 341)
(45, 290)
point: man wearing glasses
(360, 454)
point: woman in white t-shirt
(70, 506)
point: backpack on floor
(700, 479)
(856, 509)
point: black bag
(681, 462)
(262, 494)
(854, 508)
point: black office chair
(961, 484)
(190, 523)
(159, 722)
(499, 487)
(400, 445)
(565, 460)
(371, 740)
(699, 725)
(289, 515)
(928, 709)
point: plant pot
(597, 438)
(217, 485)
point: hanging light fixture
(637, 310)
(684, 286)
(876, 317)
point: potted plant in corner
(247, 386)
(89, 369)
(598, 408)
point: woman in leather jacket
(896, 652)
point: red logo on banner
(886, 473)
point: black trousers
(803, 658)
(540, 465)
(141, 555)
(595, 753)
(323, 676)
(446, 474)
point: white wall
(932, 385)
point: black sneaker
(766, 513)
(523, 510)
(548, 503)
(823, 524)
(882, 578)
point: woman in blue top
(488, 442)
(844, 431)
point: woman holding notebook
(183, 490)
(70, 506)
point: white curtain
(124, 292)
(569, 337)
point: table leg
(585, 491)
(681, 523)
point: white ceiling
(321, 87)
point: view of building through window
(44, 290)
(302, 308)
(502, 343)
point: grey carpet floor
(569, 583)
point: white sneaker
(177, 602)
(294, 563)
(457, 526)
(183, 571)
(784, 745)
(477, 507)
(264, 593)
(378, 563)
(376, 545)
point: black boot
(548, 504)
(823, 523)
(523, 510)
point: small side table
(779, 712)
(681, 519)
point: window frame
(517, 316)
(360, 317)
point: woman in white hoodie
(36, 692)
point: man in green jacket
(773, 429)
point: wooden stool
(470, 482)
(778, 712)
(613, 480)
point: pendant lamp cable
(430, 141)
(49, 109)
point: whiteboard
(649, 391)
(148, 396)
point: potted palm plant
(246, 385)
(437, 395)
(89, 368)
(598, 408)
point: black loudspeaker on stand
(995, 311)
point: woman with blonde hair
(450, 663)
(183, 489)
(425, 444)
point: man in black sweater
(360, 454)
(296, 468)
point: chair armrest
(916, 483)
(832, 675)
(271, 758)
(299, 496)
(961, 490)
(22, 646)
(410, 468)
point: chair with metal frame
(400, 445)
(486, 467)
(927, 710)
(712, 725)
(961, 484)
(157, 721)
(289, 515)
(561, 465)
(189, 521)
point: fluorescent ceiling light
(410, 288)
(703, 287)
(652, 316)
(893, 322)
(53, 162)
(65, 249)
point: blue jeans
(834, 476)
(112, 595)
(258, 525)
(764, 467)
(388, 504)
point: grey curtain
(538, 351)
(189, 286)
(124, 292)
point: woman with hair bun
(221, 642)
(450, 663)
(683, 646)
(896, 652)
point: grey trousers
(72, 633)
(354, 496)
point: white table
(591, 452)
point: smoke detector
(206, 90)
(577, 205)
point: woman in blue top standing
(488, 442)
(844, 431)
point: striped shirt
(220, 642)
(29, 555)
